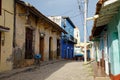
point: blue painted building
(67, 40)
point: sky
(67, 8)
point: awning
(37, 13)
(108, 10)
(98, 30)
(4, 29)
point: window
(28, 45)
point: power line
(87, 15)
(81, 12)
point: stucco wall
(54, 36)
(19, 51)
(6, 19)
(114, 44)
(17, 59)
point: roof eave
(39, 14)
(104, 18)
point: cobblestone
(62, 70)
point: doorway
(50, 49)
(68, 53)
(65, 53)
(0, 47)
(115, 53)
(41, 48)
(28, 44)
(58, 48)
(106, 54)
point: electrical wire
(80, 7)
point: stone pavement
(20, 70)
(99, 73)
(61, 70)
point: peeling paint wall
(19, 51)
(6, 20)
(39, 26)
(114, 44)
(54, 36)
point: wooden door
(0, 46)
(0, 7)
(50, 47)
(28, 46)
(41, 47)
(58, 48)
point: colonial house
(77, 47)
(67, 40)
(34, 34)
(106, 37)
(6, 34)
(77, 35)
(24, 32)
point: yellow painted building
(24, 31)
(6, 34)
(35, 34)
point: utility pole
(85, 25)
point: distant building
(67, 40)
(77, 47)
(77, 35)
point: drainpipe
(14, 28)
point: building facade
(34, 34)
(67, 40)
(106, 37)
(77, 35)
(24, 32)
(77, 46)
(6, 34)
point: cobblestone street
(62, 70)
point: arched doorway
(41, 48)
(50, 49)
(58, 48)
(0, 47)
